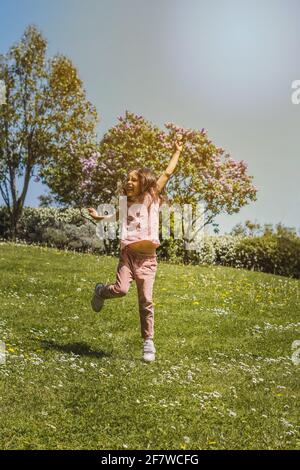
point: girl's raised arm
(162, 180)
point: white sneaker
(149, 350)
(97, 301)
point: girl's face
(133, 187)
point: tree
(46, 200)
(205, 172)
(288, 232)
(44, 118)
(254, 229)
(238, 230)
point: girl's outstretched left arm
(162, 180)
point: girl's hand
(178, 143)
(93, 213)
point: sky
(227, 66)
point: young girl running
(138, 243)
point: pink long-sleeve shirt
(141, 223)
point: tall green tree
(45, 122)
(205, 172)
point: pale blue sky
(223, 65)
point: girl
(139, 240)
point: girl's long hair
(148, 184)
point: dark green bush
(269, 253)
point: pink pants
(142, 269)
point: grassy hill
(74, 379)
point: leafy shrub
(54, 237)
(288, 257)
(269, 253)
(63, 228)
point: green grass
(73, 379)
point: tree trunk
(14, 222)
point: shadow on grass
(80, 349)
